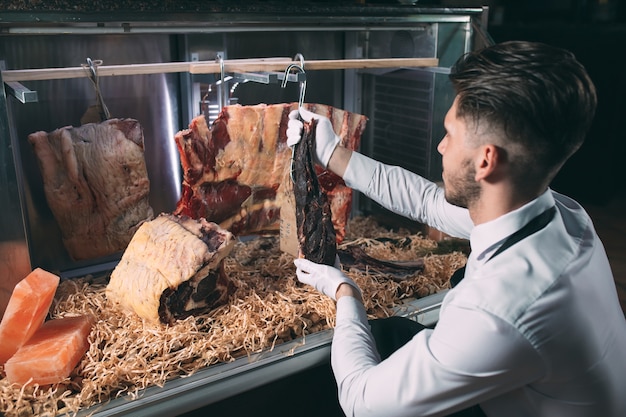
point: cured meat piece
(354, 257)
(52, 353)
(316, 233)
(26, 311)
(233, 173)
(172, 268)
(96, 184)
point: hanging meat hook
(299, 68)
(221, 84)
(300, 58)
(92, 72)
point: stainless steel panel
(224, 17)
(14, 253)
(151, 99)
(323, 86)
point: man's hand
(326, 279)
(325, 138)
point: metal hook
(92, 69)
(300, 68)
(299, 57)
(220, 86)
(302, 83)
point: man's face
(459, 172)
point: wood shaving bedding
(269, 307)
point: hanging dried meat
(96, 184)
(233, 172)
(355, 258)
(315, 230)
(172, 268)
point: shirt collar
(486, 237)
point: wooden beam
(213, 67)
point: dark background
(596, 32)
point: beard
(460, 187)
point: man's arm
(347, 290)
(339, 160)
(395, 188)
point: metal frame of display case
(223, 380)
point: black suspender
(533, 226)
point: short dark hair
(538, 96)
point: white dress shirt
(535, 331)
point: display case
(158, 67)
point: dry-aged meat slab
(315, 230)
(172, 268)
(233, 173)
(96, 184)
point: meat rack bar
(20, 92)
(210, 67)
(244, 69)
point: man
(534, 328)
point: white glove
(326, 279)
(325, 138)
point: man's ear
(487, 162)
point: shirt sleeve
(470, 357)
(407, 194)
